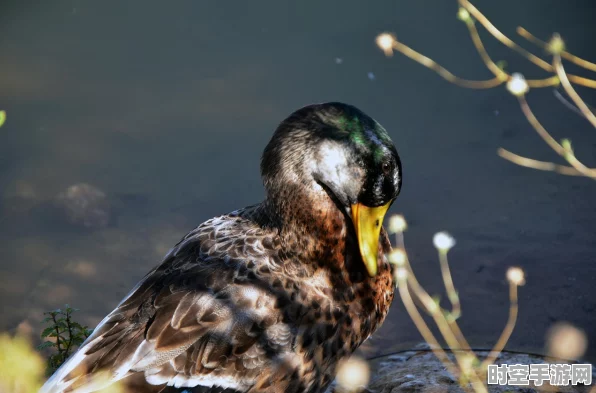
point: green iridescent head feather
(338, 146)
(345, 122)
(356, 127)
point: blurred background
(129, 123)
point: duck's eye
(386, 167)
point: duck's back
(228, 308)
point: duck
(268, 298)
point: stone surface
(85, 205)
(421, 371)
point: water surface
(166, 108)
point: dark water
(166, 107)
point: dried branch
(566, 55)
(517, 84)
(469, 370)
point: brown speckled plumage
(266, 298)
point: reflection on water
(164, 116)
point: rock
(445, 377)
(412, 386)
(402, 356)
(85, 205)
(421, 371)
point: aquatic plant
(63, 335)
(467, 366)
(518, 85)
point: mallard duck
(270, 297)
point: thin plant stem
(556, 146)
(438, 314)
(506, 334)
(57, 333)
(578, 80)
(467, 83)
(564, 54)
(502, 37)
(465, 346)
(449, 287)
(425, 299)
(443, 72)
(490, 64)
(447, 326)
(423, 327)
(577, 100)
(512, 45)
(70, 339)
(540, 165)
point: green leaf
(68, 334)
(76, 325)
(46, 344)
(47, 331)
(62, 324)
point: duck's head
(337, 150)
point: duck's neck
(315, 231)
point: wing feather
(187, 323)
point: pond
(164, 110)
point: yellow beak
(368, 222)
